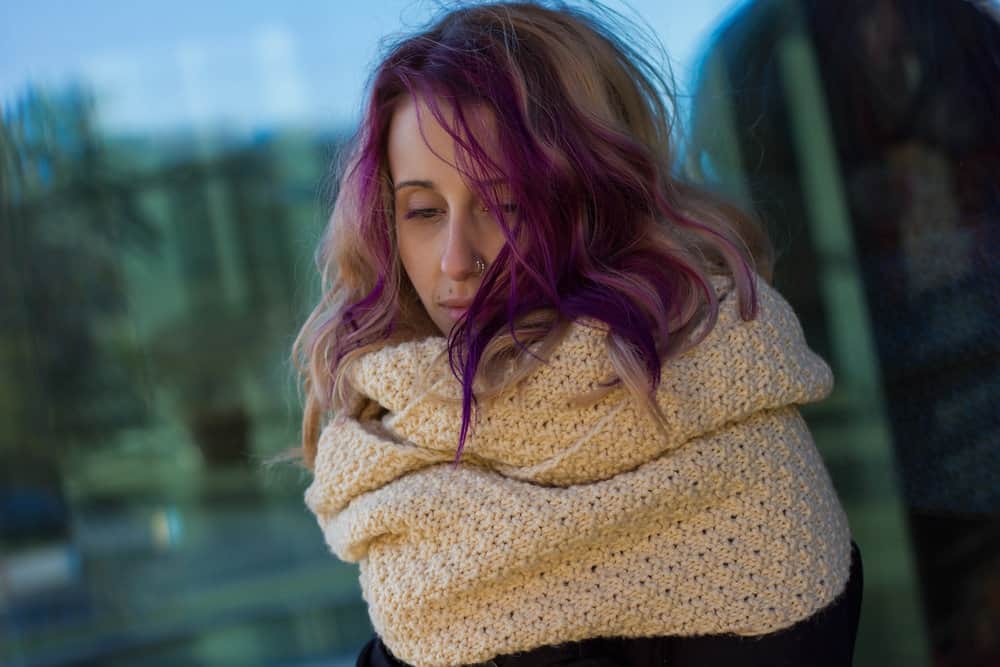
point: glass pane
(163, 185)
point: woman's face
(441, 225)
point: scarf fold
(565, 522)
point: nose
(458, 255)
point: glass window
(165, 175)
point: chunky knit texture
(563, 522)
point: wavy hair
(603, 231)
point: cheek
(498, 241)
(414, 259)
(494, 242)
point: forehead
(417, 142)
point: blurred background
(164, 177)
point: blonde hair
(604, 230)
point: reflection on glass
(149, 287)
(152, 280)
(866, 136)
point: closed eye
(423, 213)
(507, 208)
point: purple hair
(602, 230)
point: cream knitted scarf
(567, 522)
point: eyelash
(422, 213)
(427, 213)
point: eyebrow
(414, 184)
(430, 184)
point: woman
(563, 395)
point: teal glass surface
(164, 179)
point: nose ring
(480, 264)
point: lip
(455, 313)
(455, 303)
(455, 307)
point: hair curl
(604, 230)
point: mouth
(455, 308)
(455, 313)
